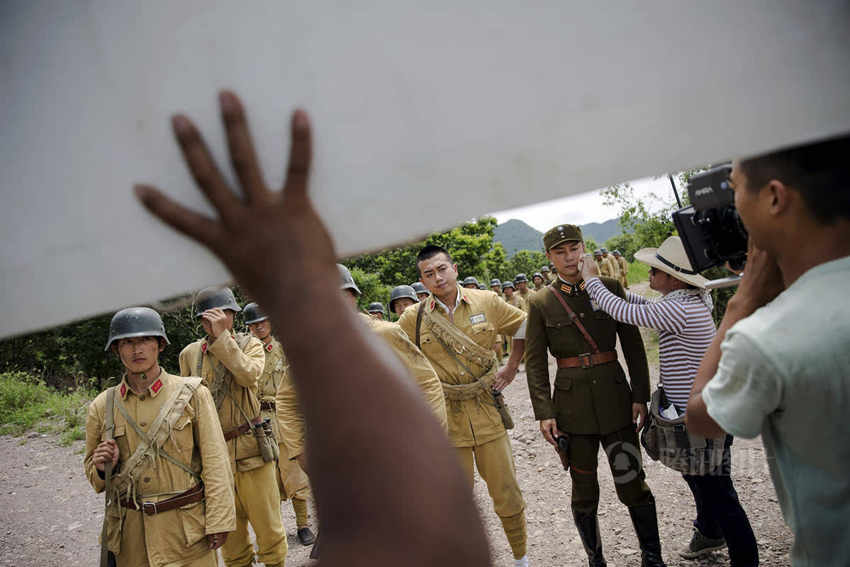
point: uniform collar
(433, 302)
(571, 289)
(154, 389)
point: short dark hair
(820, 172)
(430, 251)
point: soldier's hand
(639, 415)
(504, 376)
(256, 219)
(589, 269)
(215, 541)
(106, 451)
(549, 429)
(215, 322)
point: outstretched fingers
(243, 157)
(203, 168)
(300, 156)
(192, 224)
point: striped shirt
(685, 331)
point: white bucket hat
(671, 259)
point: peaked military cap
(560, 234)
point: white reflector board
(426, 114)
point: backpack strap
(419, 324)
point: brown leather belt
(242, 429)
(587, 360)
(267, 406)
(194, 494)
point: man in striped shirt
(682, 317)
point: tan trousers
(495, 463)
(257, 502)
(293, 482)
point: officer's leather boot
(588, 529)
(645, 521)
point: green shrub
(27, 403)
(638, 272)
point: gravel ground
(51, 517)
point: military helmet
(604, 250)
(215, 297)
(508, 283)
(401, 291)
(253, 314)
(419, 287)
(544, 269)
(347, 282)
(470, 280)
(520, 278)
(495, 282)
(376, 307)
(481, 286)
(616, 253)
(135, 322)
(537, 275)
(597, 253)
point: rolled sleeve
(745, 389)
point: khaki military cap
(560, 234)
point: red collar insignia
(156, 386)
(203, 347)
(269, 347)
(123, 390)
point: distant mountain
(516, 235)
(600, 232)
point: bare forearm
(697, 418)
(517, 350)
(391, 470)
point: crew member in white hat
(682, 317)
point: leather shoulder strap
(574, 318)
(419, 323)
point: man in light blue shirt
(780, 363)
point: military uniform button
(143, 424)
(147, 479)
(141, 398)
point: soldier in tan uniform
(613, 265)
(231, 366)
(513, 298)
(402, 297)
(292, 482)
(624, 268)
(538, 280)
(455, 330)
(421, 291)
(521, 283)
(170, 498)
(288, 409)
(604, 267)
(498, 344)
(547, 274)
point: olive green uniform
(231, 367)
(593, 405)
(292, 481)
(475, 426)
(175, 537)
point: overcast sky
(584, 207)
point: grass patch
(638, 272)
(26, 403)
